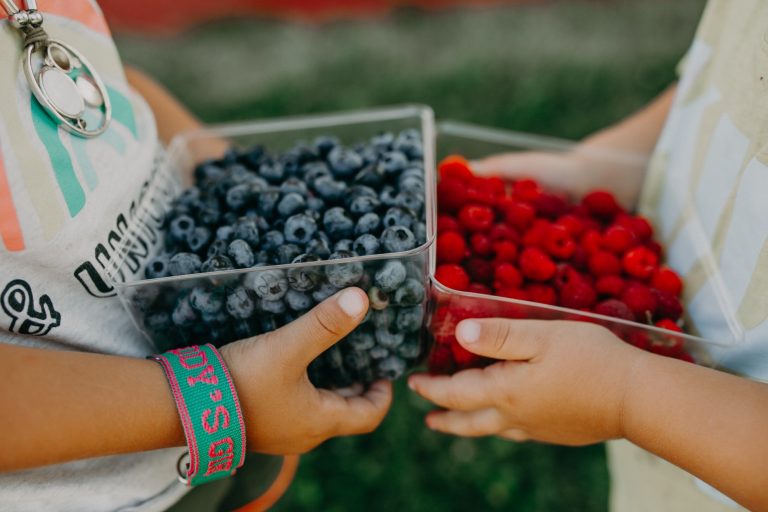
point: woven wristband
(209, 410)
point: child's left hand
(559, 381)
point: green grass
(563, 69)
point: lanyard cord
(28, 20)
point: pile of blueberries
(317, 201)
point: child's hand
(283, 412)
(558, 381)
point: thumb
(498, 338)
(302, 340)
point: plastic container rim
(285, 124)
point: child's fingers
(484, 422)
(465, 391)
(514, 434)
(356, 414)
(512, 340)
(301, 341)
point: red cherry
(615, 308)
(550, 206)
(526, 189)
(640, 300)
(577, 295)
(667, 280)
(667, 305)
(463, 357)
(566, 274)
(591, 241)
(536, 234)
(451, 247)
(640, 262)
(572, 223)
(536, 265)
(478, 288)
(448, 223)
(476, 217)
(669, 325)
(451, 194)
(501, 231)
(452, 276)
(542, 294)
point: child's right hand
(283, 412)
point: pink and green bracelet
(209, 410)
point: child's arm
(610, 158)
(575, 383)
(59, 406)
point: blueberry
(198, 238)
(209, 212)
(189, 196)
(357, 360)
(324, 144)
(291, 203)
(294, 185)
(390, 276)
(319, 247)
(361, 339)
(384, 318)
(181, 227)
(412, 184)
(398, 216)
(276, 307)
(391, 368)
(268, 323)
(345, 245)
(305, 279)
(247, 229)
(366, 245)
(240, 253)
(326, 290)
(378, 353)
(413, 172)
(272, 240)
(388, 339)
(356, 191)
(410, 350)
(287, 253)
(240, 196)
(387, 196)
(397, 239)
(273, 172)
(184, 263)
(144, 296)
(240, 304)
(183, 314)
(338, 224)
(315, 170)
(261, 258)
(393, 163)
(208, 172)
(298, 301)
(367, 224)
(420, 232)
(363, 205)
(158, 323)
(267, 200)
(217, 262)
(411, 293)
(409, 319)
(344, 162)
(315, 204)
(383, 141)
(411, 200)
(206, 301)
(157, 267)
(267, 284)
(329, 189)
(342, 275)
(369, 175)
(409, 143)
(300, 228)
(225, 233)
(377, 298)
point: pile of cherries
(516, 240)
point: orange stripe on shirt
(10, 230)
(84, 11)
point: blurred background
(561, 68)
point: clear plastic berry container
(545, 157)
(225, 305)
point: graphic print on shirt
(18, 302)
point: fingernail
(411, 385)
(468, 331)
(351, 303)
